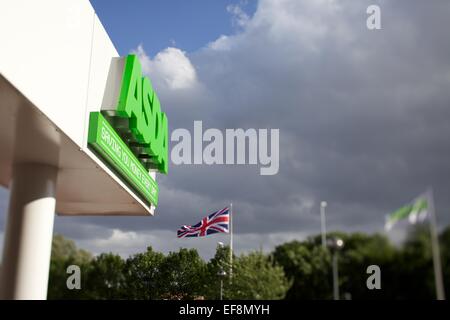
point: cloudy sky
(363, 115)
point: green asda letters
(139, 103)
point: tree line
(293, 270)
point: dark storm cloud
(363, 114)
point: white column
(28, 236)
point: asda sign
(139, 104)
(131, 133)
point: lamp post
(323, 230)
(222, 274)
(335, 244)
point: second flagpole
(439, 283)
(231, 240)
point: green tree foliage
(294, 270)
(256, 276)
(64, 254)
(220, 262)
(406, 271)
(143, 276)
(307, 265)
(416, 280)
(359, 252)
(66, 249)
(151, 275)
(105, 277)
(183, 275)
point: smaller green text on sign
(103, 138)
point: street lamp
(335, 244)
(323, 229)
(222, 274)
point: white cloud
(221, 43)
(170, 67)
(240, 18)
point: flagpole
(231, 240)
(440, 294)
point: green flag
(416, 211)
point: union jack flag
(214, 223)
